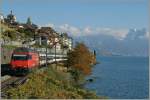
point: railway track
(11, 82)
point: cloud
(75, 31)
(69, 29)
(50, 25)
(147, 35)
(119, 34)
(116, 33)
(87, 30)
(134, 34)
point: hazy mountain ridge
(134, 44)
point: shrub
(48, 84)
(79, 61)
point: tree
(29, 21)
(80, 61)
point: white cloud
(119, 34)
(87, 30)
(69, 29)
(50, 25)
(147, 35)
(72, 30)
(75, 31)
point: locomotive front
(24, 59)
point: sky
(81, 13)
(117, 25)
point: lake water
(121, 77)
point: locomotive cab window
(21, 57)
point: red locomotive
(24, 59)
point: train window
(21, 57)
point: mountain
(134, 44)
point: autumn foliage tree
(80, 60)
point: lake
(121, 77)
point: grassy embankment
(50, 84)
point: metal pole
(40, 42)
(55, 56)
(46, 55)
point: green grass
(5, 27)
(9, 46)
(50, 84)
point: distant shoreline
(121, 56)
